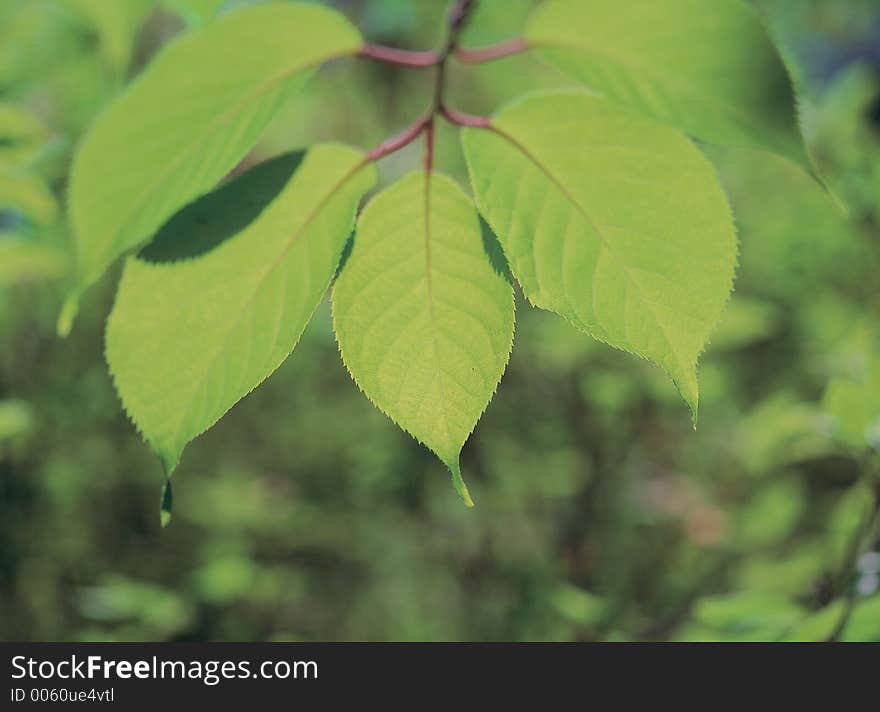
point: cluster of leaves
(305, 516)
(606, 213)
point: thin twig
(458, 19)
(429, 147)
(400, 57)
(461, 13)
(864, 537)
(480, 55)
(402, 140)
(459, 118)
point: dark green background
(601, 514)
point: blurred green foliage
(601, 514)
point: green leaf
(854, 406)
(16, 418)
(423, 319)
(23, 260)
(189, 119)
(166, 504)
(614, 222)
(214, 218)
(746, 321)
(29, 195)
(196, 12)
(772, 515)
(117, 24)
(748, 616)
(851, 512)
(708, 68)
(818, 626)
(864, 623)
(22, 136)
(187, 340)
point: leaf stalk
(459, 16)
(399, 57)
(480, 55)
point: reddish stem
(400, 141)
(400, 57)
(429, 147)
(459, 118)
(489, 54)
(458, 19)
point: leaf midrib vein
(261, 279)
(742, 117)
(261, 89)
(596, 228)
(431, 312)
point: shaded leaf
(28, 195)
(864, 622)
(818, 626)
(22, 136)
(746, 616)
(16, 419)
(214, 218)
(854, 405)
(196, 12)
(708, 68)
(24, 260)
(117, 24)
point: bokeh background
(601, 514)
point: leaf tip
(689, 390)
(694, 407)
(67, 315)
(169, 461)
(166, 505)
(459, 484)
(839, 203)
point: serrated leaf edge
(454, 467)
(693, 407)
(171, 461)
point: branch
(402, 140)
(507, 48)
(400, 57)
(864, 536)
(458, 118)
(429, 147)
(458, 18)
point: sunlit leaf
(614, 222)
(187, 340)
(709, 68)
(189, 119)
(423, 318)
(196, 12)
